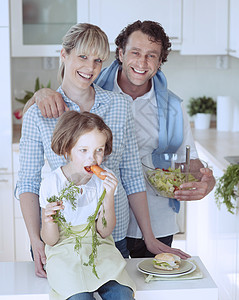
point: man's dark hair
(154, 31)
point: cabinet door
(205, 27)
(37, 27)
(5, 101)
(113, 16)
(212, 234)
(4, 15)
(234, 25)
(6, 218)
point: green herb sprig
(226, 188)
(69, 194)
(206, 105)
(29, 94)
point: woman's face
(80, 70)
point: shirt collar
(150, 95)
(98, 100)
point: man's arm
(49, 102)
(31, 213)
(139, 205)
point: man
(161, 123)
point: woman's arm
(31, 161)
(31, 213)
(139, 205)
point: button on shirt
(124, 160)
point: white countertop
(217, 144)
(18, 281)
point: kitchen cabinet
(205, 27)
(233, 29)
(6, 218)
(37, 27)
(213, 233)
(5, 100)
(4, 15)
(6, 197)
(113, 16)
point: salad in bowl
(170, 171)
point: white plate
(146, 267)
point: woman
(85, 47)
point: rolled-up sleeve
(130, 165)
(31, 155)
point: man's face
(141, 59)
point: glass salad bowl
(167, 172)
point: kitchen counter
(18, 281)
(217, 144)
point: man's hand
(196, 190)
(156, 247)
(38, 249)
(50, 103)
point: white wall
(192, 76)
(188, 76)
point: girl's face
(88, 151)
(80, 70)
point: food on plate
(167, 181)
(96, 170)
(166, 261)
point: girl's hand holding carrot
(110, 181)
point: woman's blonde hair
(87, 39)
(72, 125)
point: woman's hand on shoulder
(50, 103)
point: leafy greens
(227, 188)
(69, 194)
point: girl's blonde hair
(72, 125)
(87, 39)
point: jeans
(137, 247)
(111, 290)
(122, 247)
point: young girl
(84, 139)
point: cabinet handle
(231, 50)
(173, 38)
(3, 169)
(3, 180)
(58, 51)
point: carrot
(97, 170)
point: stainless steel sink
(234, 160)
